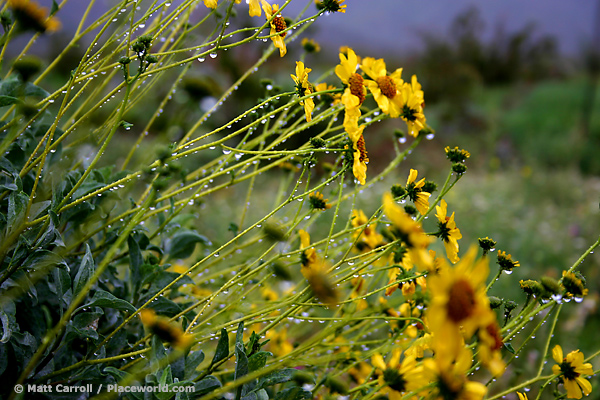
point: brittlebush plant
(138, 261)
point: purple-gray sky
(395, 25)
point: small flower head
(31, 16)
(574, 284)
(331, 5)
(310, 46)
(278, 25)
(456, 155)
(532, 287)
(448, 231)
(304, 88)
(165, 330)
(505, 261)
(571, 370)
(410, 102)
(360, 158)
(317, 202)
(416, 193)
(487, 244)
(410, 232)
(397, 377)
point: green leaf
(61, 288)
(295, 393)
(184, 243)
(222, 351)
(17, 205)
(192, 361)
(258, 360)
(509, 347)
(115, 373)
(241, 362)
(206, 385)
(8, 320)
(86, 270)
(239, 335)
(8, 100)
(135, 263)
(108, 300)
(54, 8)
(280, 376)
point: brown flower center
(461, 302)
(280, 25)
(360, 145)
(493, 330)
(357, 88)
(387, 86)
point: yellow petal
(557, 354)
(254, 10)
(377, 362)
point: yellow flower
(317, 202)
(304, 88)
(449, 378)
(309, 255)
(448, 231)
(410, 102)
(354, 94)
(166, 331)
(522, 396)
(337, 97)
(277, 25)
(459, 304)
(574, 285)
(360, 157)
(268, 294)
(570, 369)
(310, 46)
(279, 343)
(397, 378)
(254, 8)
(368, 238)
(210, 3)
(410, 232)
(490, 344)
(383, 86)
(314, 269)
(505, 261)
(31, 16)
(416, 193)
(331, 5)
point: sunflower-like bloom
(383, 86)
(304, 88)
(397, 378)
(415, 192)
(410, 232)
(354, 94)
(570, 369)
(31, 16)
(368, 238)
(459, 304)
(449, 233)
(277, 25)
(165, 330)
(410, 102)
(449, 378)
